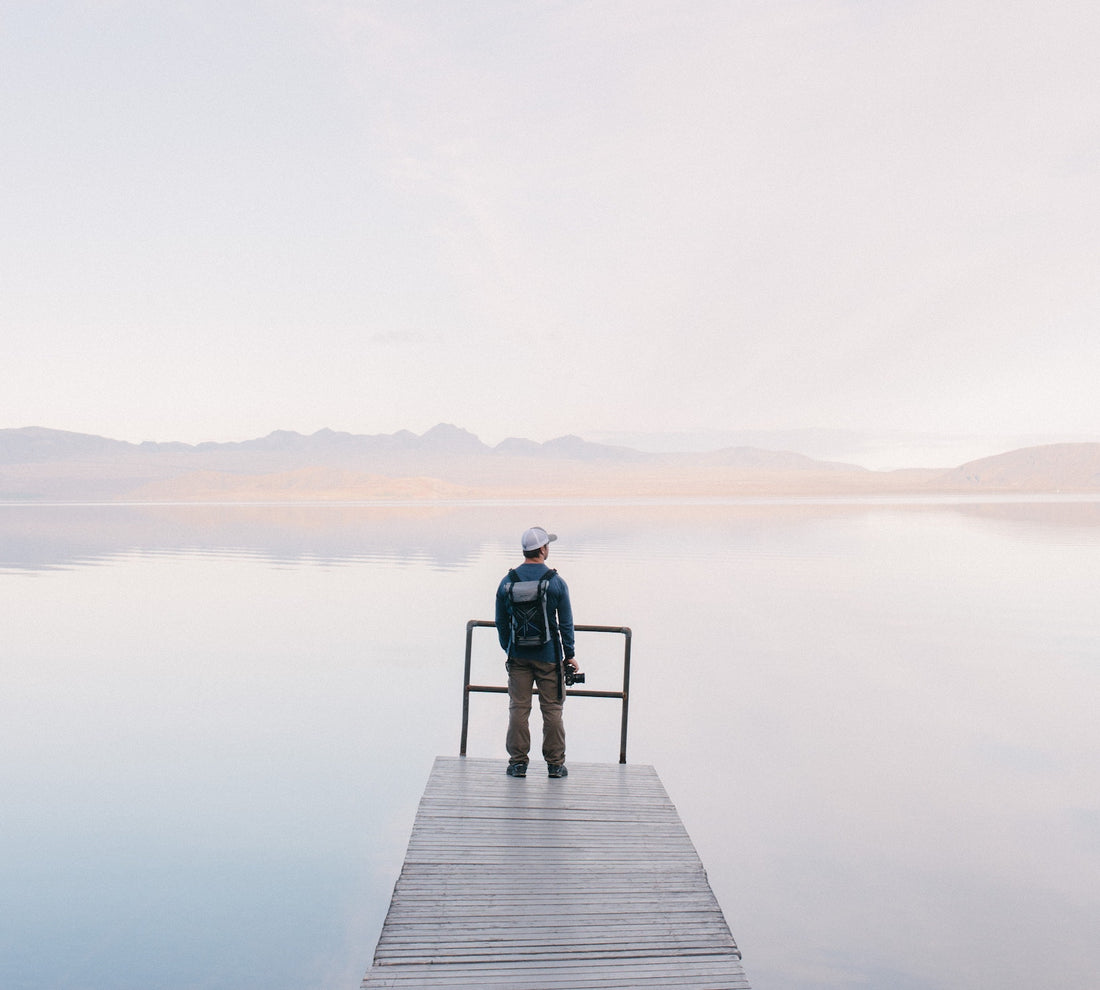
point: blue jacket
(558, 608)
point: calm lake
(877, 720)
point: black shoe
(517, 770)
(556, 770)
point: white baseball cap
(536, 537)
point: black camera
(572, 675)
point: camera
(571, 675)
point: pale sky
(538, 218)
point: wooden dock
(589, 881)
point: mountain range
(446, 462)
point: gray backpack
(527, 611)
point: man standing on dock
(534, 620)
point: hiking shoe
(517, 770)
(556, 770)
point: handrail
(624, 694)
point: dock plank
(589, 882)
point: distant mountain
(1065, 467)
(880, 450)
(38, 464)
(35, 443)
(574, 448)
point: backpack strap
(547, 577)
(543, 577)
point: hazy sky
(538, 218)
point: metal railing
(623, 695)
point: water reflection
(876, 721)
(451, 536)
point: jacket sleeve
(565, 621)
(503, 624)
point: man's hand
(572, 662)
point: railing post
(626, 694)
(466, 687)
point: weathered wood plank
(589, 882)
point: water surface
(875, 719)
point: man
(539, 665)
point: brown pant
(523, 675)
